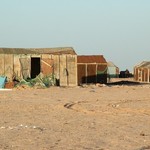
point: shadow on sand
(129, 83)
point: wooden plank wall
(56, 66)
(63, 71)
(72, 69)
(142, 75)
(10, 65)
(2, 64)
(9, 68)
(47, 64)
(17, 67)
(65, 67)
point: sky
(117, 29)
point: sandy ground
(78, 118)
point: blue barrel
(2, 82)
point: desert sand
(90, 117)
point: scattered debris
(9, 85)
(92, 90)
(145, 148)
(21, 126)
(69, 105)
(143, 134)
(40, 81)
(2, 81)
(115, 105)
(5, 89)
(101, 85)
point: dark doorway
(35, 67)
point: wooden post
(96, 73)
(144, 75)
(138, 75)
(148, 76)
(135, 75)
(141, 75)
(67, 73)
(86, 74)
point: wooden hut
(142, 72)
(28, 63)
(91, 69)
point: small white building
(113, 70)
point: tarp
(2, 81)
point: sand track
(78, 118)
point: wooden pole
(96, 73)
(148, 76)
(86, 74)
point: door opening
(35, 67)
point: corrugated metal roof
(91, 59)
(16, 51)
(144, 64)
(55, 51)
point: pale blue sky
(117, 29)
